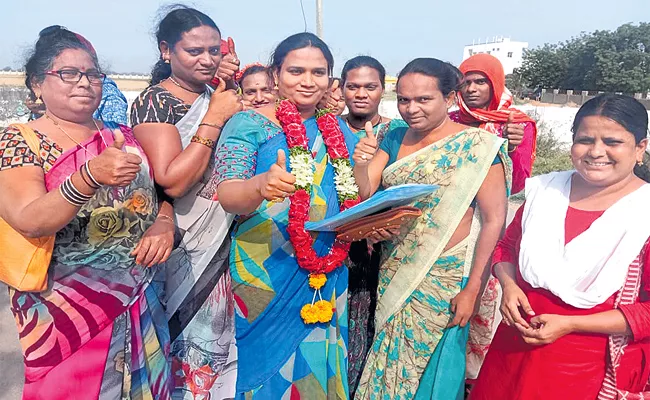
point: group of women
(182, 268)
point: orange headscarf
(499, 107)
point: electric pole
(319, 18)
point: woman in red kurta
(567, 317)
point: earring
(166, 61)
(276, 86)
(639, 163)
(38, 101)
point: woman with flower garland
(290, 290)
(432, 274)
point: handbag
(363, 227)
(25, 261)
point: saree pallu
(418, 277)
(197, 288)
(98, 331)
(281, 357)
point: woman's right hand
(512, 301)
(276, 184)
(223, 105)
(366, 149)
(114, 166)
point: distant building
(510, 53)
(390, 83)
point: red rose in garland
(302, 166)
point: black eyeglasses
(74, 76)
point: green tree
(610, 61)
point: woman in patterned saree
(178, 121)
(280, 354)
(98, 330)
(432, 273)
(573, 265)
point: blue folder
(394, 196)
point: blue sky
(392, 31)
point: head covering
(240, 74)
(86, 43)
(499, 108)
(224, 47)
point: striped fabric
(618, 343)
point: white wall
(501, 49)
(553, 120)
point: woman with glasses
(178, 121)
(112, 108)
(97, 331)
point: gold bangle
(167, 217)
(220, 127)
(204, 141)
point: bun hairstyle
(447, 75)
(52, 41)
(179, 20)
(296, 42)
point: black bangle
(211, 125)
(72, 195)
(90, 175)
(83, 176)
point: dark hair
(445, 73)
(300, 41)
(624, 110)
(179, 20)
(52, 41)
(364, 61)
(252, 71)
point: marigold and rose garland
(302, 167)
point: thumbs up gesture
(277, 183)
(333, 99)
(514, 132)
(366, 149)
(114, 166)
(229, 63)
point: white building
(508, 52)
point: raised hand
(366, 149)
(513, 132)
(223, 105)
(277, 183)
(333, 99)
(114, 166)
(229, 64)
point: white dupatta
(592, 267)
(203, 221)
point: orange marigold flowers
(317, 281)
